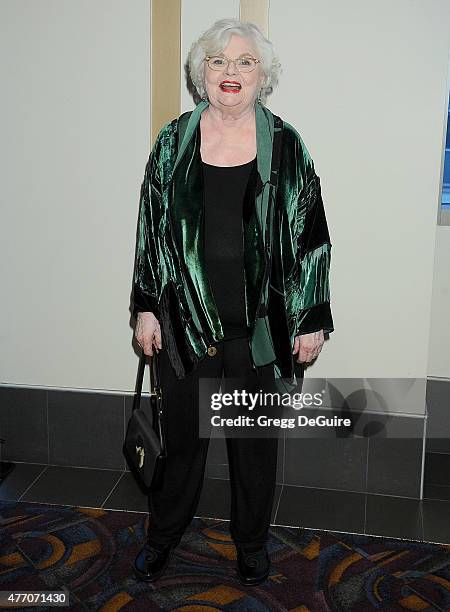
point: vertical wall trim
(256, 11)
(165, 63)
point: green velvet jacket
(287, 246)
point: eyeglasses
(243, 64)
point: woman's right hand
(148, 332)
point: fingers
(157, 337)
(296, 345)
(308, 354)
(148, 342)
(148, 347)
(148, 335)
(310, 346)
(145, 341)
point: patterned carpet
(89, 552)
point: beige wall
(75, 139)
(366, 86)
(439, 347)
(363, 82)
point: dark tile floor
(343, 511)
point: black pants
(252, 461)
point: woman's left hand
(308, 346)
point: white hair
(215, 39)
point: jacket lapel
(187, 213)
(264, 140)
(191, 127)
(187, 210)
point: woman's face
(238, 98)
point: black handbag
(144, 445)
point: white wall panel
(75, 125)
(364, 84)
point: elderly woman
(231, 278)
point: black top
(224, 191)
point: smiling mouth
(229, 86)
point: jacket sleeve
(313, 255)
(146, 275)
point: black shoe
(151, 562)
(252, 567)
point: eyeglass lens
(243, 64)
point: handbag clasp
(141, 452)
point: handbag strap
(154, 377)
(139, 379)
(154, 374)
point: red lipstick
(230, 86)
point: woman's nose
(231, 68)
